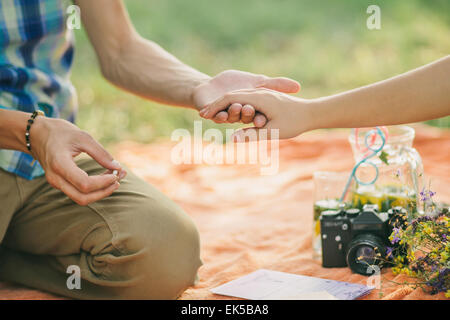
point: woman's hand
(291, 115)
(55, 143)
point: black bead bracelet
(30, 122)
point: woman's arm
(418, 95)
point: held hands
(239, 111)
(55, 143)
(291, 115)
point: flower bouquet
(421, 249)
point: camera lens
(366, 254)
(362, 253)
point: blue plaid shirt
(36, 52)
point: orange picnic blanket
(249, 221)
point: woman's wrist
(325, 113)
(311, 114)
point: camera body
(357, 238)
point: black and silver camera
(353, 238)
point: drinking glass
(328, 188)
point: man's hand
(55, 143)
(231, 80)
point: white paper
(274, 285)
(319, 295)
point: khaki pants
(134, 244)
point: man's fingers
(247, 113)
(234, 113)
(221, 117)
(281, 84)
(98, 153)
(260, 120)
(81, 198)
(80, 179)
(120, 173)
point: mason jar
(396, 170)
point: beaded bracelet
(30, 122)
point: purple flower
(439, 283)
(395, 239)
(388, 252)
(424, 218)
(426, 195)
(444, 237)
(423, 196)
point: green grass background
(323, 44)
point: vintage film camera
(353, 237)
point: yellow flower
(447, 294)
(411, 256)
(407, 271)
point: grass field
(323, 44)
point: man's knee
(156, 252)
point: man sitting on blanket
(128, 239)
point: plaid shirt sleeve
(36, 53)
